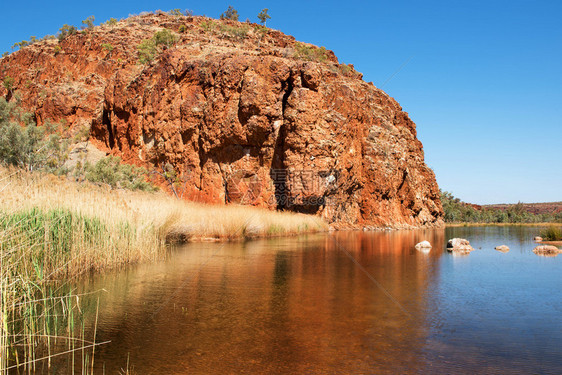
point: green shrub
(66, 31)
(24, 144)
(236, 32)
(552, 233)
(182, 29)
(110, 171)
(8, 84)
(5, 54)
(20, 45)
(111, 22)
(230, 14)
(107, 46)
(310, 53)
(209, 25)
(58, 49)
(149, 48)
(147, 51)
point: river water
(345, 302)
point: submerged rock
(547, 250)
(459, 246)
(502, 248)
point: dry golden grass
(156, 217)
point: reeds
(53, 230)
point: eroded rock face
(241, 120)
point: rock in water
(502, 248)
(537, 239)
(459, 246)
(424, 246)
(252, 118)
(547, 250)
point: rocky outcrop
(547, 250)
(423, 246)
(241, 117)
(502, 248)
(459, 246)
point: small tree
(263, 16)
(175, 12)
(65, 31)
(88, 23)
(230, 14)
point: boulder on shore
(424, 246)
(459, 246)
(547, 250)
(538, 239)
(502, 248)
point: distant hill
(533, 208)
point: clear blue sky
(483, 80)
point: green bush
(182, 29)
(149, 48)
(176, 12)
(209, 25)
(235, 32)
(66, 31)
(552, 233)
(310, 53)
(24, 144)
(110, 171)
(21, 44)
(8, 83)
(111, 22)
(107, 46)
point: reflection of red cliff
(214, 105)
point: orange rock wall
(241, 120)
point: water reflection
(303, 305)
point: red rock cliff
(243, 117)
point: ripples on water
(302, 306)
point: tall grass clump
(552, 233)
(39, 314)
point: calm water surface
(352, 302)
